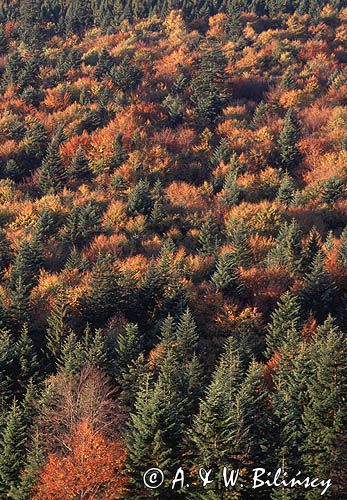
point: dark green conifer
(53, 173)
(290, 155)
(285, 319)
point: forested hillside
(173, 246)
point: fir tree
(286, 190)
(208, 237)
(288, 249)
(226, 277)
(217, 433)
(155, 430)
(27, 360)
(325, 416)
(186, 337)
(53, 174)
(129, 347)
(289, 153)
(119, 154)
(12, 456)
(284, 320)
(139, 199)
(231, 192)
(79, 169)
(319, 289)
(343, 248)
(58, 325)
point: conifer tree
(139, 199)
(319, 289)
(129, 347)
(325, 416)
(79, 169)
(289, 153)
(208, 237)
(313, 246)
(217, 434)
(285, 319)
(58, 325)
(226, 276)
(156, 430)
(234, 23)
(33, 463)
(5, 254)
(7, 356)
(288, 248)
(286, 190)
(231, 191)
(12, 445)
(207, 86)
(27, 359)
(343, 248)
(53, 174)
(186, 337)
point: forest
(173, 246)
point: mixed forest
(173, 246)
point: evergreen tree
(286, 190)
(226, 277)
(208, 91)
(333, 189)
(27, 360)
(34, 462)
(127, 75)
(284, 320)
(58, 325)
(234, 22)
(79, 169)
(12, 456)
(27, 264)
(139, 199)
(35, 144)
(289, 153)
(288, 248)
(79, 16)
(218, 434)
(7, 356)
(208, 237)
(129, 347)
(186, 337)
(53, 174)
(239, 238)
(231, 191)
(31, 23)
(319, 289)
(155, 431)
(343, 248)
(325, 416)
(313, 246)
(103, 299)
(5, 253)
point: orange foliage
(92, 469)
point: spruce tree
(58, 325)
(79, 169)
(208, 237)
(231, 192)
(217, 434)
(139, 199)
(342, 255)
(226, 277)
(155, 431)
(287, 251)
(12, 457)
(26, 360)
(289, 153)
(325, 415)
(284, 320)
(286, 190)
(129, 347)
(319, 289)
(53, 174)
